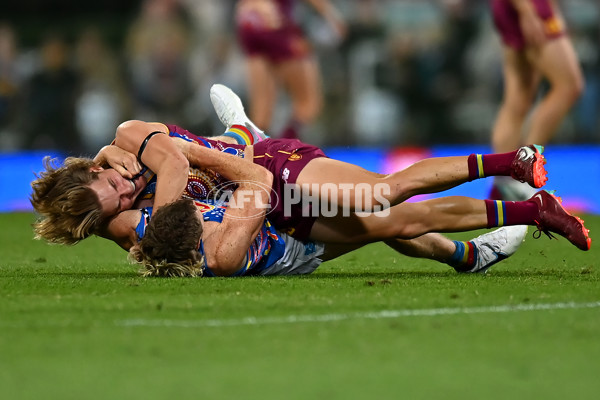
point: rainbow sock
(241, 134)
(464, 256)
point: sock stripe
(498, 215)
(465, 257)
(238, 138)
(470, 254)
(480, 172)
(457, 256)
(500, 212)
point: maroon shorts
(285, 158)
(279, 45)
(506, 19)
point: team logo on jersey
(295, 157)
(201, 182)
(203, 207)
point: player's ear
(96, 168)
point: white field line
(385, 314)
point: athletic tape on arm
(144, 143)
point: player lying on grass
(235, 239)
(182, 238)
(305, 166)
(241, 234)
(76, 200)
(463, 256)
(105, 192)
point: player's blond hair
(169, 247)
(68, 209)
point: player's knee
(577, 89)
(571, 91)
(519, 106)
(399, 189)
(408, 230)
(308, 111)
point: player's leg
(452, 214)
(557, 62)
(520, 86)
(301, 79)
(475, 255)
(362, 187)
(335, 250)
(404, 221)
(262, 90)
(230, 110)
(433, 246)
(426, 176)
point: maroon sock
(482, 165)
(501, 213)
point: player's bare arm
(228, 165)
(159, 154)
(226, 245)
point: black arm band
(144, 143)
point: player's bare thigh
(521, 79)
(557, 62)
(337, 250)
(347, 184)
(401, 221)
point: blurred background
(411, 77)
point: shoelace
(540, 229)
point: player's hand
(120, 160)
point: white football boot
(230, 110)
(495, 246)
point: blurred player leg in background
(535, 47)
(279, 55)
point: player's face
(116, 193)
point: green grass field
(78, 323)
